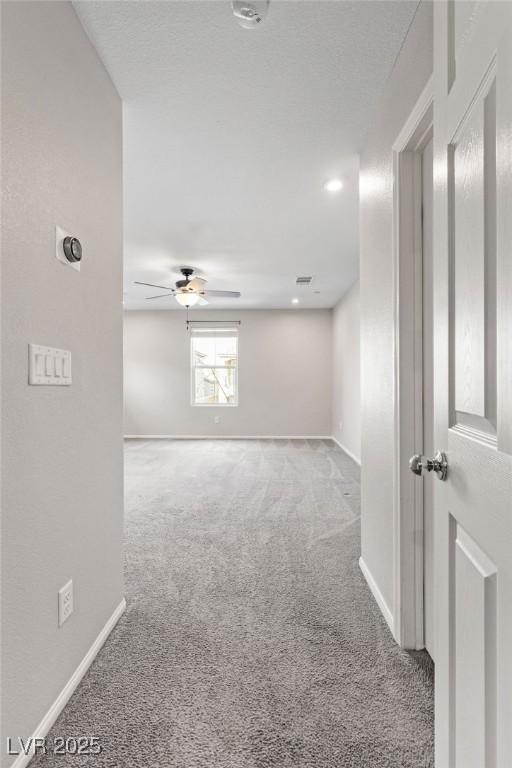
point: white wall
(284, 375)
(346, 379)
(62, 479)
(411, 72)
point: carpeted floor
(251, 639)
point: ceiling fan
(190, 290)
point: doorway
(413, 396)
(427, 190)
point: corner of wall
(62, 519)
(412, 70)
(346, 395)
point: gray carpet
(251, 639)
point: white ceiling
(230, 134)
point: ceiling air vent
(303, 281)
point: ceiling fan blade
(152, 285)
(202, 301)
(160, 296)
(197, 283)
(225, 294)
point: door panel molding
(475, 618)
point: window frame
(227, 331)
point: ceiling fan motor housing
(187, 273)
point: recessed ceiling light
(295, 301)
(333, 185)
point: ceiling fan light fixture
(190, 291)
(187, 298)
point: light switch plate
(60, 234)
(49, 366)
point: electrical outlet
(65, 602)
(216, 419)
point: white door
(473, 382)
(427, 157)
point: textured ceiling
(229, 136)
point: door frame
(408, 545)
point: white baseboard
(247, 437)
(228, 437)
(346, 450)
(384, 608)
(62, 699)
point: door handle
(439, 464)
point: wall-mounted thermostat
(72, 249)
(68, 248)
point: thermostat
(72, 248)
(68, 248)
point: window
(214, 366)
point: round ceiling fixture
(295, 301)
(250, 14)
(333, 185)
(187, 298)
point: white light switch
(40, 365)
(50, 366)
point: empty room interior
(256, 384)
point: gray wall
(284, 375)
(411, 72)
(346, 377)
(61, 446)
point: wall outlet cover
(65, 602)
(60, 234)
